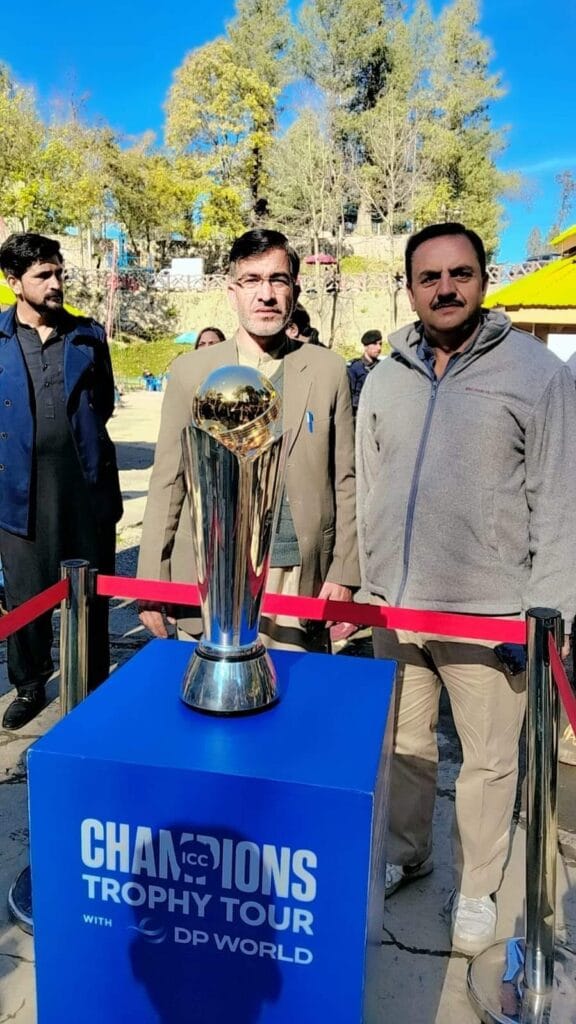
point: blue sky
(121, 56)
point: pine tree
(262, 36)
(534, 243)
(459, 141)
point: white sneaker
(473, 922)
(398, 875)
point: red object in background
(567, 694)
(321, 257)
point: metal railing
(533, 981)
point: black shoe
(23, 710)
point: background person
(315, 551)
(300, 327)
(59, 490)
(358, 369)
(466, 458)
(209, 336)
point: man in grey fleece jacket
(466, 474)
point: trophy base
(230, 684)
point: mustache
(447, 303)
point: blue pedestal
(191, 869)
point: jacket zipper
(414, 487)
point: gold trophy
(234, 467)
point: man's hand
(153, 618)
(334, 592)
(565, 651)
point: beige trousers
(488, 711)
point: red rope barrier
(567, 694)
(473, 627)
(30, 610)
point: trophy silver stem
(234, 499)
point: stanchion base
(498, 1002)
(20, 901)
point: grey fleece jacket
(467, 485)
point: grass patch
(362, 265)
(130, 360)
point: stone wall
(358, 309)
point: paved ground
(421, 981)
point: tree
(459, 142)
(50, 176)
(307, 175)
(73, 183)
(21, 138)
(153, 196)
(308, 187)
(344, 49)
(219, 111)
(262, 37)
(567, 185)
(389, 177)
(535, 244)
(218, 215)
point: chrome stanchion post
(533, 982)
(542, 721)
(74, 635)
(73, 688)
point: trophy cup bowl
(234, 466)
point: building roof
(564, 236)
(551, 287)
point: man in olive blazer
(320, 480)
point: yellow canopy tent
(6, 293)
(544, 301)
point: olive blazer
(320, 479)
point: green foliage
(361, 265)
(390, 175)
(343, 47)
(265, 50)
(222, 112)
(131, 356)
(150, 195)
(221, 215)
(459, 144)
(20, 141)
(72, 189)
(307, 180)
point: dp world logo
(148, 932)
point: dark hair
(22, 250)
(437, 231)
(301, 318)
(371, 337)
(314, 338)
(259, 241)
(215, 330)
